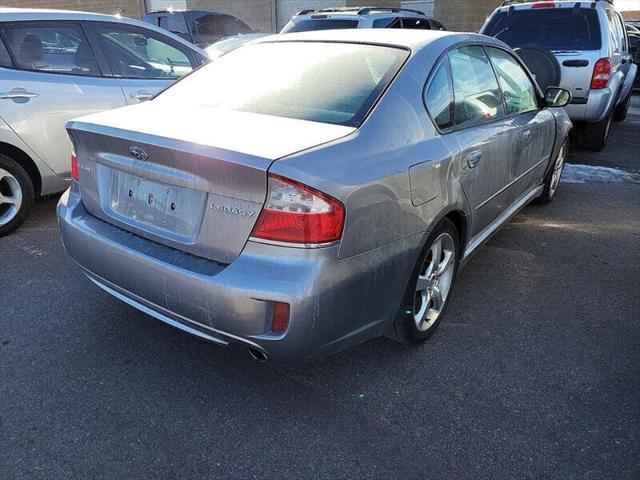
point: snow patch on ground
(594, 174)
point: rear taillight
(601, 73)
(75, 171)
(296, 213)
(544, 5)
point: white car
(57, 65)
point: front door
(53, 76)
(487, 138)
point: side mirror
(557, 97)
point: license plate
(156, 206)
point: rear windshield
(552, 28)
(323, 82)
(318, 24)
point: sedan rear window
(319, 24)
(552, 28)
(323, 82)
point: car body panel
(396, 175)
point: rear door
(143, 61)
(53, 76)
(486, 136)
(535, 126)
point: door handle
(473, 159)
(141, 96)
(526, 136)
(18, 94)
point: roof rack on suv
(359, 10)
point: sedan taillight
(75, 171)
(297, 213)
(601, 73)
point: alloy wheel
(434, 282)
(10, 197)
(557, 170)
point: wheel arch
(26, 162)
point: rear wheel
(620, 113)
(595, 135)
(429, 289)
(16, 195)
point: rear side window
(322, 82)
(218, 25)
(477, 96)
(140, 53)
(439, 97)
(51, 47)
(517, 89)
(552, 28)
(319, 24)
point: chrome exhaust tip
(258, 355)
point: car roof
(404, 38)
(558, 4)
(8, 14)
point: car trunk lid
(195, 180)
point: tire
(542, 63)
(16, 195)
(595, 135)
(620, 113)
(552, 179)
(422, 309)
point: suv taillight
(601, 73)
(296, 213)
(75, 171)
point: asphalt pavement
(534, 374)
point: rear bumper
(333, 303)
(592, 108)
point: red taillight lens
(296, 213)
(75, 171)
(601, 73)
(280, 317)
(544, 5)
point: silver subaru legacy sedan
(307, 192)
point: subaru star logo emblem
(139, 153)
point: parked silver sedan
(308, 192)
(56, 65)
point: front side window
(475, 87)
(322, 82)
(140, 53)
(439, 97)
(51, 47)
(517, 89)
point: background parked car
(581, 46)
(55, 65)
(310, 191)
(360, 17)
(198, 26)
(633, 34)
(227, 44)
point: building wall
(464, 15)
(127, 8)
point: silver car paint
(396, 175)
(39, 122)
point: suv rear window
(319, 24)
(552, 28)
(322, 82)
